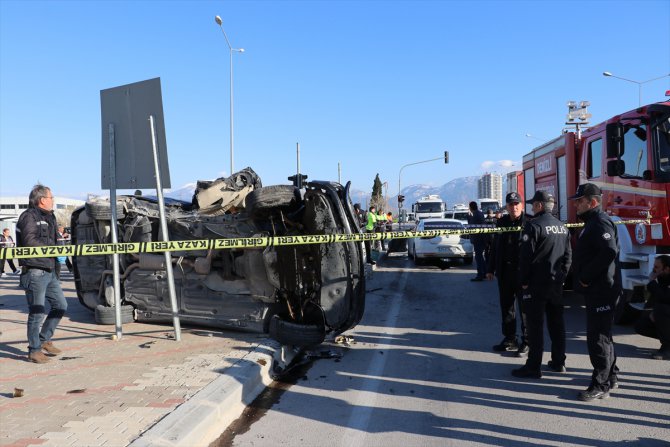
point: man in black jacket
(39, 276)
(596, 277)
(504, 264)
(476, 218)
(656, 323)
(544, 264)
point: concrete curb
(202, 419)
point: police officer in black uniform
(544, 264)
(596, 277)
(503, 262)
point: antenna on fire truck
(578, 113)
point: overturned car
(298, 294)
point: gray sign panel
(128, 107)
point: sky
(369, 86)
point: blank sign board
(128, 108)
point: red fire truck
(628, 157)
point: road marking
(364, 404)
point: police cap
(586, 189)
(541, 196)
(513, 197)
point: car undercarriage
(298, 294)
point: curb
(204, 417)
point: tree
(377, 199)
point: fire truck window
(594, 168)
(664, 145)
(635, 155)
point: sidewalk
(103, 392)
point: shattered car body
(297, 293)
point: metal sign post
(166, 236)
(115, 236)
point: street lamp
(639, 84)
(238, 50)
(445, 157)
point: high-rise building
(489, 186)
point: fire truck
(628, 157)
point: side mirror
(614, 137)
(616, 168)
(647, 175)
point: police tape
(248, 242)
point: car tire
(263, 199)
(467, 260)
(107, 315)
(295, 334)
(102, 210)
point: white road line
(363, 405)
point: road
(420, 372)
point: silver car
(440, 248)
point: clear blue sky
(373, 85)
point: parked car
(298, 294)
(443, 248)
(458, 214)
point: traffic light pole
(446, 160)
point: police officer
(596, 277)
(504, 264)
(544, 264)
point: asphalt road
(420, 372)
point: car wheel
(263, 199)
(107, 315)
(102, 210)
(467, 260)
(295, 334)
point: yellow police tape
(248, 242)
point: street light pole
(238, 50)
(416, 163)
(639, 84)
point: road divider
(249, 242)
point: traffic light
(446, 157)
(401, 198)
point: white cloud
(500, 166)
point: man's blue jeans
(41, 286)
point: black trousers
(659, 328)
(599, 319)
(11, 265)
(510, 297)
(536, 303)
